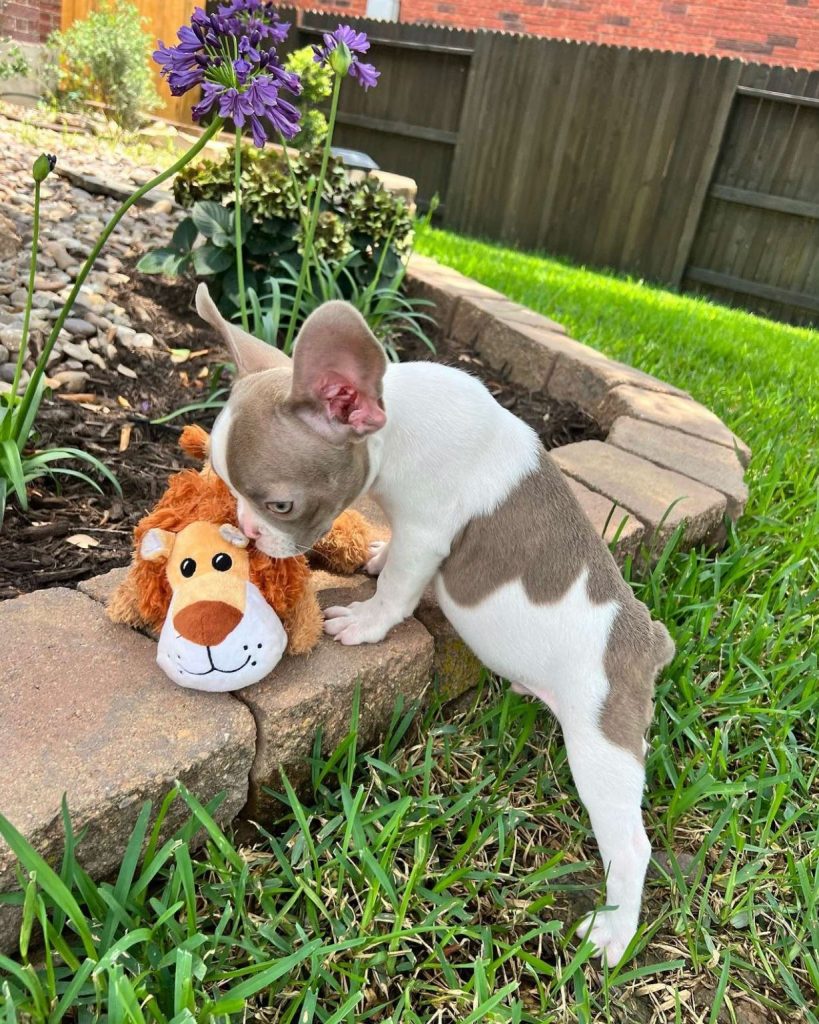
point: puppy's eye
(281, 508)
(221, 562)
(187, 568)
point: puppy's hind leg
(610, 782)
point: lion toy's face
(219, 634)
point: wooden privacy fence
(162, 19)
(695, 172)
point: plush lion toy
(144, 596)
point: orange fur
(143, 597)
(346, 546)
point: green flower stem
(311, 227)
(295, 182)
(39, 369)
(237, 217)
(21, 355)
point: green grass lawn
(437, 878)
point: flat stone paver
(711, 464)
(473, 315)
(528, 353)
(660, 499)
(315, 692)
(606, 516)
(670, 411)
(443, 287)
(586, 377)
(101, 588)
(86, 711)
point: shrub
(361, 224)
(12, 60)
(104, 59)
(316, 86)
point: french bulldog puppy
(476, 505)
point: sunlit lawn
(438, 877)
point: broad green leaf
(210, 217)
(185, 235)
(209, 259)
(155, 261)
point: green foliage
(104, 58)
(362, 233)
(317, 84)
(20, 462)
(355, 214)
(12, 60)
(388, 313)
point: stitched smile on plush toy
(215, 668)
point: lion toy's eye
(187, 568)
(221, 562)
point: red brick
(734, 28)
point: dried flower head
(231, 55)
(340, 53)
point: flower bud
(43, 166)
(340, 58)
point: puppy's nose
(207, 623)
(249, 528)
(247, 524)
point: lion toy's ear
(157, 545)
(220, 634)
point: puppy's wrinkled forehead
(258, 440)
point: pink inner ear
(345, 404)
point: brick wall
(29, 21)
(770, 31)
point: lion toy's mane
(144, 596)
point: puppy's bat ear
(250, 354)
(338, 374)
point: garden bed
(114, 423)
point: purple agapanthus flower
(231, 55)
(354, 42)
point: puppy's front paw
(363, 622)
(608, 933)
(378, 556)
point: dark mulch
(35, 550)
(35, 546)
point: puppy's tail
(195, 441)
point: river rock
(7, 371)
(79, 327)
(72, 381)
(59, 254)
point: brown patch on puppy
(538, 535)
(541, 536)
(637, 649)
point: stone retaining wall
(86, 712)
